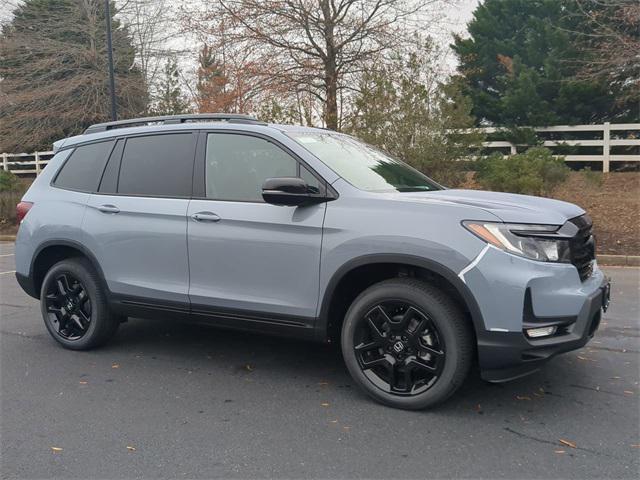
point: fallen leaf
(82, 382)
(115, 365)
(334, 421)
(248, 367)
(523, 397)
(130, 448)
(346, 428)
(633, 445)
(559, 451)
(582, 358)
(628, 392)
(56, 449)
(567, 443)
(324, 404)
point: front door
(248, 258)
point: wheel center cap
(398, 347)
(70, 305)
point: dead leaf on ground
(130, 448)
(248, 368)
(324, 404)
(56, 449)
(582, 358)
(559, 451)
(633, 445)
(82, 382)
(567, 443)
(628, 392)
(522, 397)
(115, 365)
(334, 421)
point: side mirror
(290, 191)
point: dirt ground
(612, 200)
(614, 207)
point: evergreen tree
(170, 99)
(519, 66)
(53, 65)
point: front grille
(582, 246)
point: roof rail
(175, 119)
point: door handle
(205, 217)
(108, 209)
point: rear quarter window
(83, 169)
(158, 165)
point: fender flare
(72, 244)
(405, 259)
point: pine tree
(170, 99)
(519, 63)
(53, 65)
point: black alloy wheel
(68, 306)
(407, 343)
(399, 348)
(74, 305)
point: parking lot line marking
(10, 271)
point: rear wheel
(74, 306)
(406, 343)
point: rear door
(136, 224)
(248, 258)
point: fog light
(540, 332)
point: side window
(157, 165)
(237, 166)
(83, 169)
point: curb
(619, 260)
(606, 260)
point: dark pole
(112, 82)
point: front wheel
(406, 344)
(74, 306)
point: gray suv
(309, 233)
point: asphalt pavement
(175, 400)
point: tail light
(22, 209)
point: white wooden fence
(25, 163)
(611, 135)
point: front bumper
(515, 294)
(508, 355)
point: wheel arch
(51, 252)
(387, 266)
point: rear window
(157, 165)
(83, 169)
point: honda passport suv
(309, 233)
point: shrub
(534, 172)
(8, 181)
(12, 189)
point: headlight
(537, 242)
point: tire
(75, 280)
(406, 325)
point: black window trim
(199, 171)
(73, 149)
(149, 134)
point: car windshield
(362, 165)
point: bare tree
(313, 46)
(152, 26)
(611, 42)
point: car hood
(508, 207)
